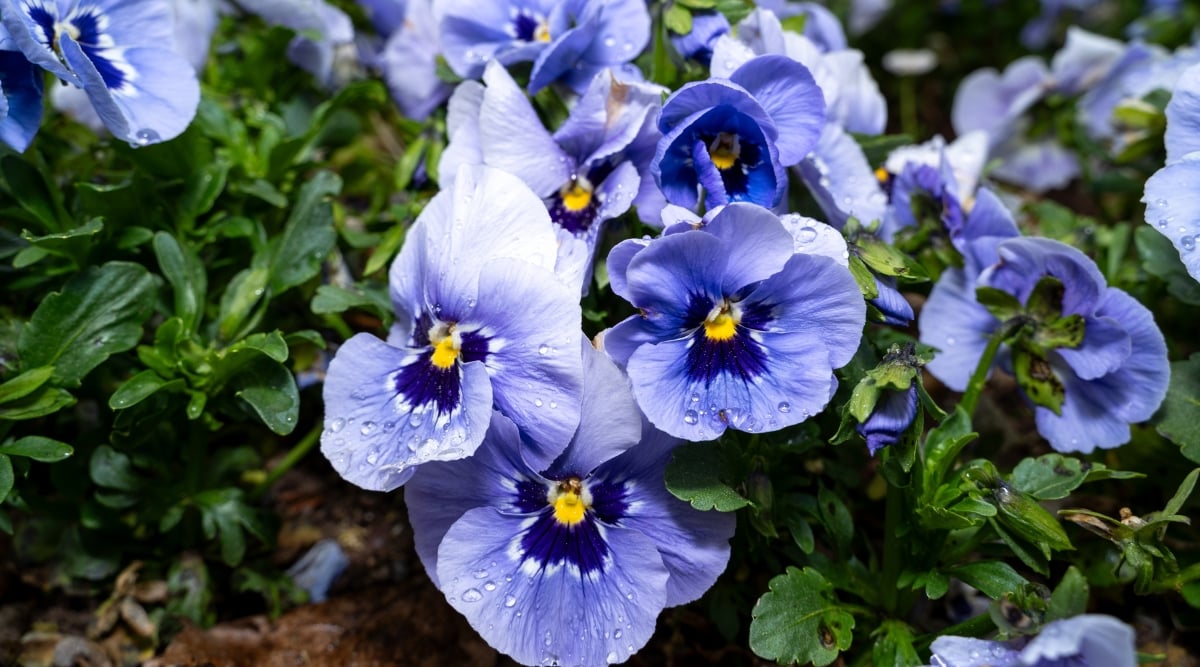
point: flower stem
(975, 386)
(293, 457)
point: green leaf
(270, 390)
(25, 383)
(139, 387)
(1182, 493)
(1070, 598)
(388, 245)
(942, 446)
(1179, 417)
(224, 515)
(800, 620)
(1033, 557)
(27, 185)
(836, 518)
(1037, 379)
(204, 187)
(696, 474)
(6, 477)
(994, 578)
(187, 276)
(271, 344)
(98, 313)
(802, 532)
(1022, 515)
(309, 235)
(334, 299)
(863, 277)
(74, 244)
(45, 400)
(885, 259)
(1161, 259)
(245, 290)
(1048, 477)
(38, 448)
(894, 645)
(112, 469)
(678, 19)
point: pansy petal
(514, 139)
(1146, 372)
(838, 176)
(609, 422)
(893, 414)
(555, 613)
(954, 323)
(375, 433)
(1106, 345)
(952, 651)
(1183, 116)
(22, 89)
(859, 105)
(818, 298)
(1086, 638)
(439, 493)
(533, 324)
(662, 278)
(1172, 201)
(891, 303)
(700, 96)
(622, 32)
(622, 340)
(756, 243)
(618, 263)
(1039, 166)
(563, 58)
(728, 55)
(31, 27)
(787, 92)
(694, 545)
(813, 237)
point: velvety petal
(838, 176)
(756, 243)
(989, 101)
(513, 137)
(22, 104)
(787, 92)
(694, 545)
(662, 278)
(618, 263)
(1083, 60)
(1146, 372)
(487, 214)
(891, 303)
(1038, 166)
(1088, 639)
(621, 34)
(375, 435)
(817, 298)
(1183, 116)
(795, 384)
(622, 340)
(729, 53)
(1106, 345)
(988, 223)
(859, 105)
(195, 23)
(534, 328)
(154, 105)
(473, 32)
(1172, 201)
(609, 422)
(31, 28)
(409, 64)
(707, 26)
(954, 323)
(1025, 260)
(462, 127)
(700, 96)
(439, 493)
(544, 615)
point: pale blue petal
(1172, 201)
(817, 297)
(1089, 639)
(1183, 116)
(1106, 345)
(838, 176)
(21, 115)
(1038, 166)
(859, 106)
(954, 323)
(951, 651)
(813, 237)
(1084, 60)
(551, 615)
(513, 138)
(788, 94)
(757, 245)
(29, 34)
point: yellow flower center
(724, 150)
(882, 175)
(570, 502)
(577, 194)
(542, 32)
(446, 345)
(721, 323)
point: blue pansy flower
(1172, 195)
(481, 321)
(408, 59)
(119, 52)
(568, 563)
(1087, 356)
(584, 171)
(697, 44)
(324, 43)
(20, 96)
(1090, 639)
(735, 329)
(893, 414)
(734, 137)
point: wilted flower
(481, 322)
(568, 563)
(735, 329)
(1087, 356)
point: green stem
(293, 457)
(975, 387)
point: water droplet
(367, 428)
(372, 458)
(610, 41)
(553, 404)
(472, 595)
(785, 407)
(537, 402)
(611, 657)
(1161, 203)
(1188, 243)
(617, 634)
(489, 586)
(510, 601)
(145, 137)
(1162, 223)
(481, 574)
(806, 235)
(336, 425)
(691, 417)
(950, 340)
(695, 398)
(544, 349)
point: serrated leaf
(25, 383)
(270, 390)
(98, 313)
(695, 475)
(800, 621)
(309, 235)
(38, 448)
(994, 578)
(1048, 477)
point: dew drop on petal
(367, 428)
(472, 595)
(489, 586)
(510, 601)
(537, 402)
(806, 235)
(691, 417)
(146, 137)
(336, 425)
(1188, 243)
(481, 574)
(611, 657)
(544, 349)
(785, 407)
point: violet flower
(1172, 195)
(1090, 639)
(568, 563)
(481, 322)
